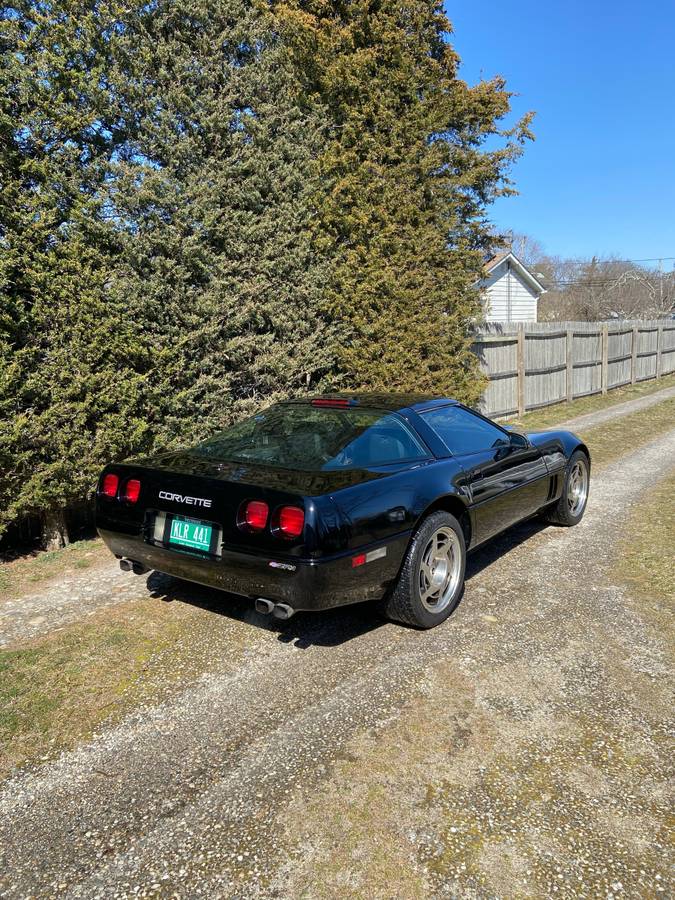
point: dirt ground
(521, 749)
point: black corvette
(333, 500)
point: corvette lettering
(181, 498)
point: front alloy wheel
(577, 487)
(570, 507)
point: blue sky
(600, 178)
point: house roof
(519, 266)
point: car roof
(389, 401)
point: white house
(511, 292)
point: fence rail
(536, 364)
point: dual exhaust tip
(279, 610)
(263, 606)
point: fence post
(520, 365)
(605, 355)
(633, 355)
(659, 345)
(569, 362)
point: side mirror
(518, 440)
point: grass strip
(645, 559)
(20, 575)
(611, 440)
(561, 412)
(57, 689)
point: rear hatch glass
(299, 436)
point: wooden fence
(536, 364)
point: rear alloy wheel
(570, 507)
(432, 577)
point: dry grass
(614, 439)
(357, 836)
(455, 798)
(21, 575)
(561, 412)
(645, 561)
(56, 690)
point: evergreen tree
(406, 181)
(209, 205)
(71, 385)
(158, 277)
(223, 270)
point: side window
(386, 441)
(461, 431)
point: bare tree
(593, 289)
(608, 289)
(526, 248)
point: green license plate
(189, 533)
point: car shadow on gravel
(489, 553)
(323, 629)
(304, 630)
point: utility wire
(583, 282)
(648, 259)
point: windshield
(300, 436)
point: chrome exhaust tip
(282, 611)
(264, 607)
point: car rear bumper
(302, 584)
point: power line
(620, 259)
(584, 282)
(648, 259)
(606, 280)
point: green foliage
(224, 273)
(72, 388)
(207, 206)
(405, 183)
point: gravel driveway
(190, 798)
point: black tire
(563, 511)
(405, 603)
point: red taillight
(290, 521)
(132, 489)
(110, 485)
(358, 560)
(255, 514)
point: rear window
(316, 439)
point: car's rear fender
(400, 502)
(457, 507)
